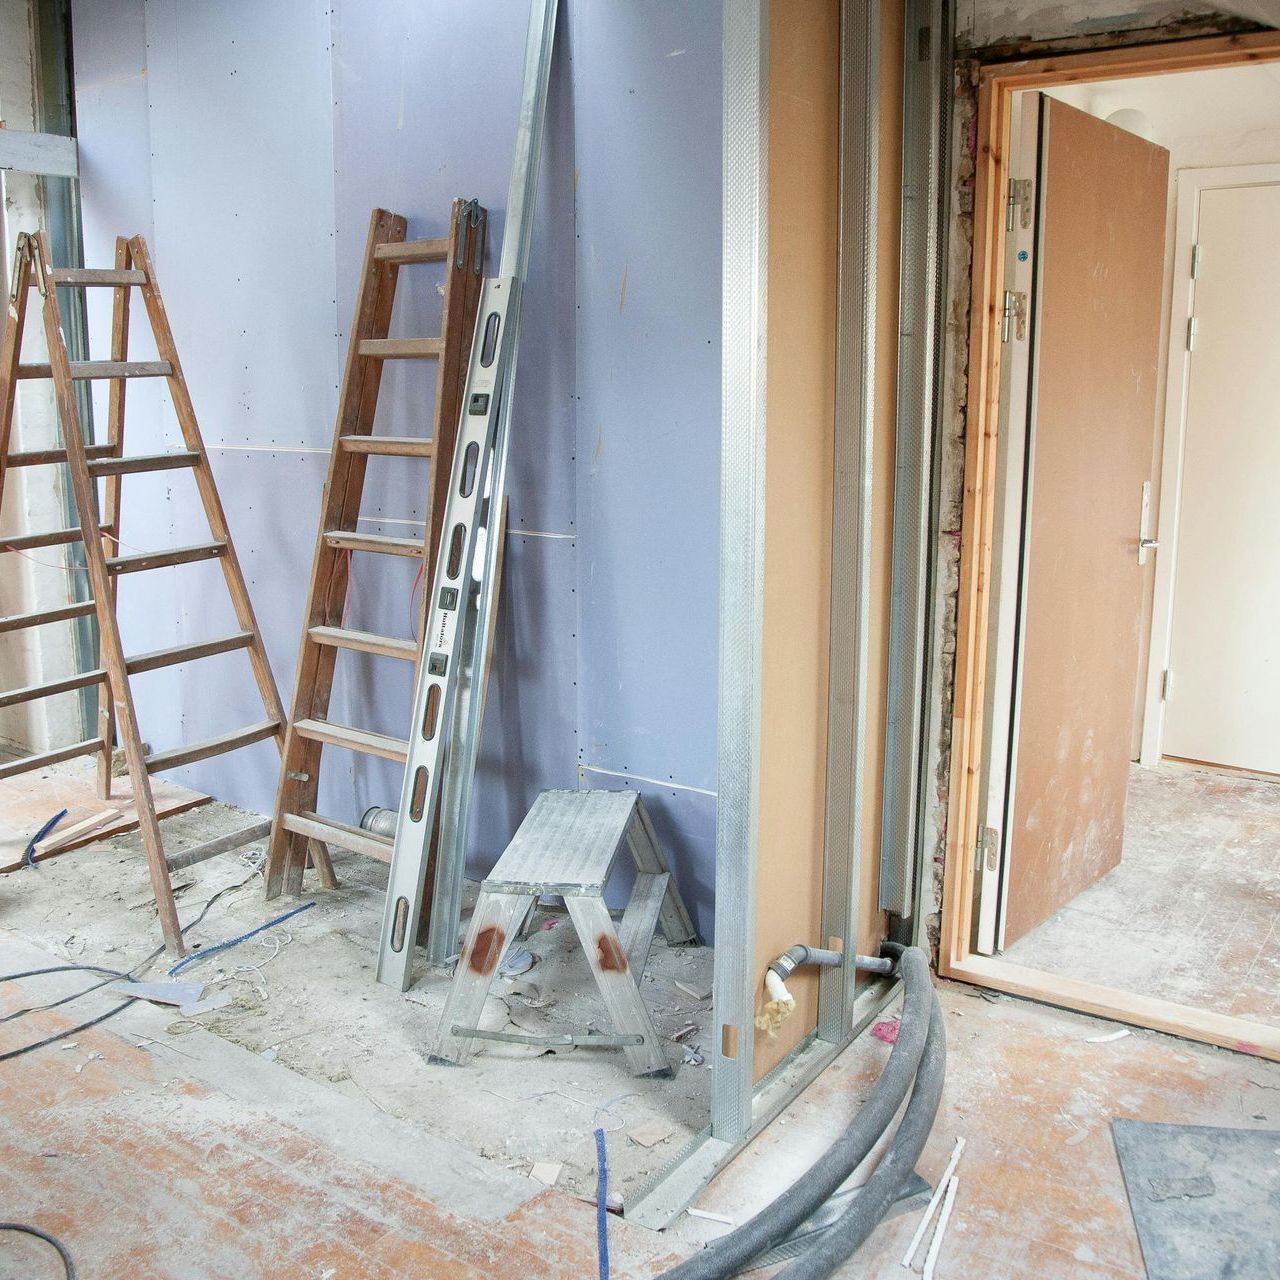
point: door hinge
(1018, 204)
(1014, 316)
(986, 850)
(1192, 326)
(1165, 683)
(1195, 261)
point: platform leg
(618, 983)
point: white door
(1224, 656)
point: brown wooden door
(1103, 198)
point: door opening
(1120, 452)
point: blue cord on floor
(29, 853)
(232, 942)
(602, 1205)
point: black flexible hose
(804, 1197)
(838, 1243)
(63, 1252)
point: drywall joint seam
(640, 777)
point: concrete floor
(304, 995)
(159, 1148)
(189, 1158)
(1191, 913)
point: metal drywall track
(925, 24)
(745, 169)
(851, 510)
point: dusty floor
(304, 995)
(158, 1146)
(1191, 912)
(189, 1158)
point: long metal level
(449, 695)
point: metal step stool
(568, 844)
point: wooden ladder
(88, 463)
(297, 827)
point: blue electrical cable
(29, 853)
(205, 952)
(602, 1205)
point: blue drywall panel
(530, 730)
(647, 87)
(250, 142)
(685, 823)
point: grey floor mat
(1206, 1201)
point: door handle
(1145, 544)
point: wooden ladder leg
(113, 656)
(11, 351)
(493, 925)
(298, 791)
(111, 492)
(619, 984)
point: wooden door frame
(997, 85)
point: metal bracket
(1014, 316)
(1018, 206)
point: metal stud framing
(917, 316)
(851, 511)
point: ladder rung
(365, 642)
(178, 756)
(47, 457)
(90, 276)
(21, 621)
(401, 348)
(357, 840)
(377, 542)
(220, 844)
(187, 652)
(404, 252)
(65, 685)
(12, 768)
(144, 462)
(163, 559)
(397, 446)
(362, 740)
(83, 370)
(52, 538)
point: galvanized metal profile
(933, 709)
(673, 1187)
(852, 499)
(742, 477)
(460, 765)
(916, 383)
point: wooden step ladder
(88, 463)
(297, 826)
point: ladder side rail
(112, 649)
(11, 351)
(112, 485)
(299, 784)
